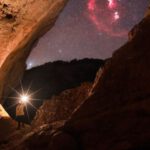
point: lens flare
(24, 98)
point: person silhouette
(20, 114)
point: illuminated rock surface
(22, 22)
(3, 113)
(60, 107)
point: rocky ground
(7, 126)
(9, 135)
(50, 116)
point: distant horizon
(30, 66)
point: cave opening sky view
(88, 28)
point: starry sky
(88, 28)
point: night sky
(88, 28)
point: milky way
(88, 28)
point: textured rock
(37, 138)
(62, 106)
(22, 22)
(98, 76)
(117, 115)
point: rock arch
(29, 20)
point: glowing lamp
(24, 98)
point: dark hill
(52, 78)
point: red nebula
(111, 4)
(91, 5)
(106, 16)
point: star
(116, 15)
(60, 51)
(111, 4)
(29, 65)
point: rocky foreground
(50, 116)
(7, 126)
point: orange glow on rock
(3, 113)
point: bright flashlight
(24, 98)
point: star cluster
(88, 28)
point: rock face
(62, 106)
(22, 22)
(117, 115)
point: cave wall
(22, 22)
